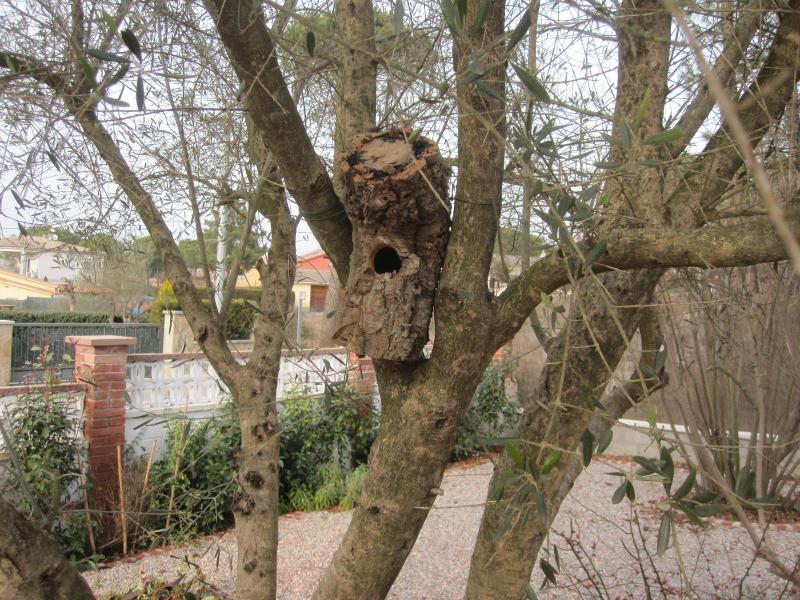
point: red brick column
(100, 364)
(361, 374)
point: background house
(313, 281)
(315, 293)
(14, 286)
(47, 258)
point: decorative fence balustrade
(125, 400)
(162, 385)
(172, 383)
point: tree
(652, 203)
(187, 159)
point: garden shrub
(353, 486)
(324, 446)
(322, 441)
(241, 318)
(490, 415)
(205, 481)
(44, 435)
(238, 326)
(21, 316)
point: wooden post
(396, 198)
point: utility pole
(222, 253)
(299, 315)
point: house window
(319, 293)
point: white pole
(300, 297)
(222, 253)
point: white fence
(159, 388)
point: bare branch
(253, 55)
(725, 66)
(734, 123)
(761, 105)
(751, 242)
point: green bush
(353, 486)
(490, 414)
(322, 441)
(22, 316)
(241, 318)
(204, 485)
(324, 447)
(44, 436)
(241, 315)
(336, 488)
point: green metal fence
(30, 339)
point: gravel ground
(717, 561)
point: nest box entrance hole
(386, 260)
(396, 197)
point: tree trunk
(423, 403)
(421, 409)
(583, 357)
(396, 198)
(255, 502)
(554, 417)
(32, 566)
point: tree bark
(243, 30)
(397, 200)
(556, 416)
(423, 403)
(256, 501)
(421, 407)
(357, 71)
(32, 566)
(583, 357)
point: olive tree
(654, 199)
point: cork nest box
(396, 198)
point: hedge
(241, 314)
(53, 317)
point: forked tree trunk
(420, 412)
(555, 417)
(32, 566)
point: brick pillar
(6, 331)
(100, 364)
(361, 374)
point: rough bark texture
(32, 566)
(555, 416)
(396, 199)
(583, 357)
(585, 354)
(255, 503)
(421, 407)
(253, 386)
(357, 70)
(423, 403)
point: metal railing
(30, 339)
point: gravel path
(717, 561)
